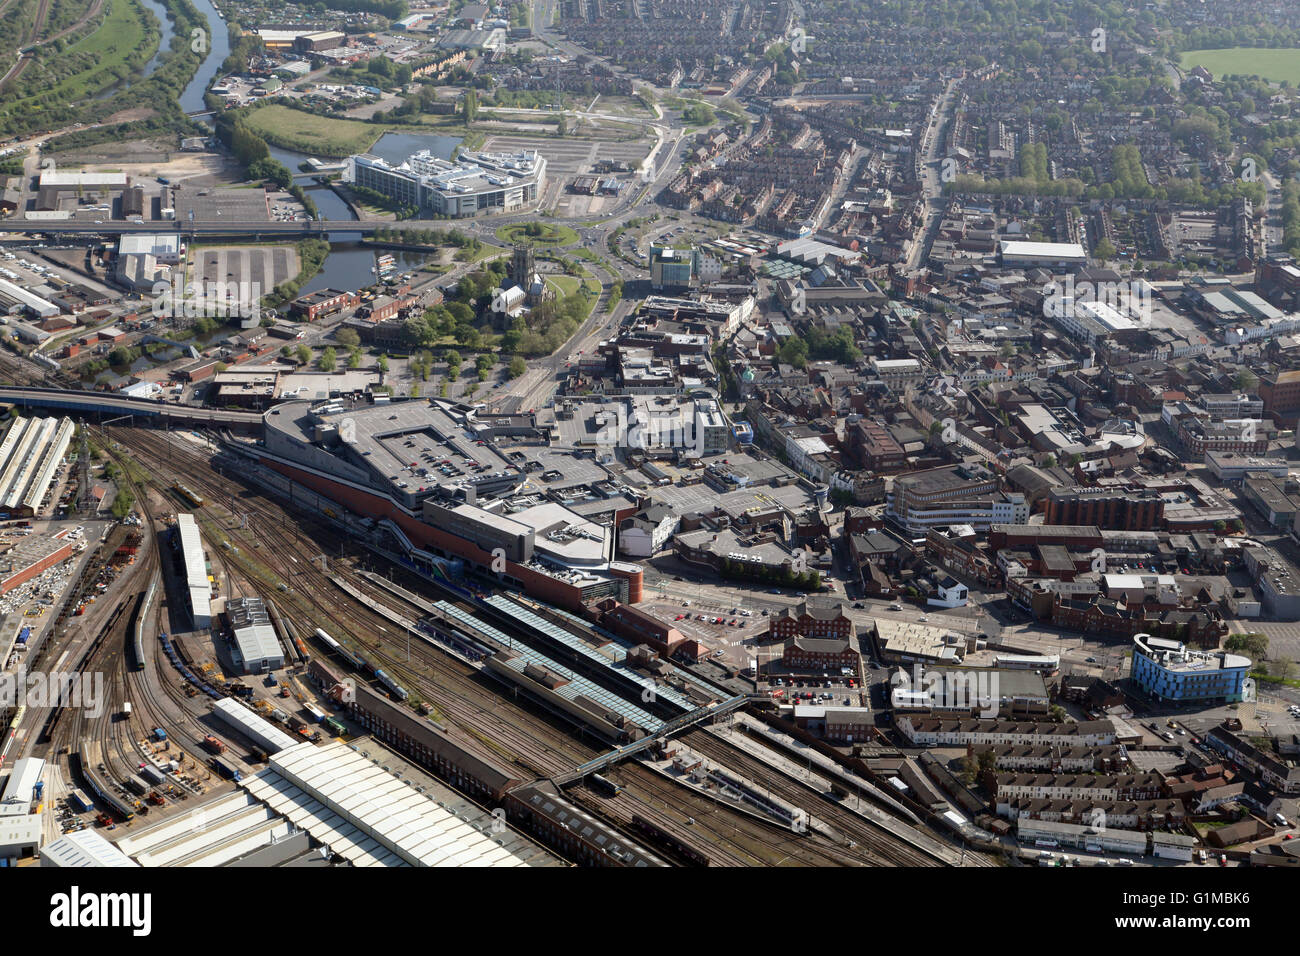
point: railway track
(854, 828)
(526, 736)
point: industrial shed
(84, 848)
(262, 732)
(196, 570)
(364, 813)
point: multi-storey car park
(474, 184)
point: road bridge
(105, 405)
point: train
(395, 688)
(225, 770)
(170, 650)
(121, 808)
(187, 496)
(605, 785)
(340, 651)
(137, 639)
(455, 639)
(335, 726)
(79, 801)
(666, 840)
(359, 663)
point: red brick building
(820, 653)
(1109, 510)
(874, 447)
(626, 621)
(821, 619)
(1280, 393)
(25, 560)
(323, 302)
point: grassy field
(325, 136)
(552, 234)
(1274, 65)
(113, 50)
(307, 133)
(565, 285)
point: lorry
(159, 734)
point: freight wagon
(225, 770)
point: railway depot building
(476, 183)
(418, 469)
(194, 565)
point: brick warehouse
(323, 302)
(28, 558)
(1107, 510)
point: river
(218, 49)
(349, 264)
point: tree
(304, 354)
(1251, 643)
(348, 337)
(518, 366)
(123, 501)
(1104, 250)
(328, 359)
(383, 363)
(794, 351)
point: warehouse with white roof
(255, 639)
(21, 788)
(370, 817)
(30, 456)
(356, 804)
(84, 848)
(15, 300)
(196, 570)
(1049, 255)
(262, 732)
